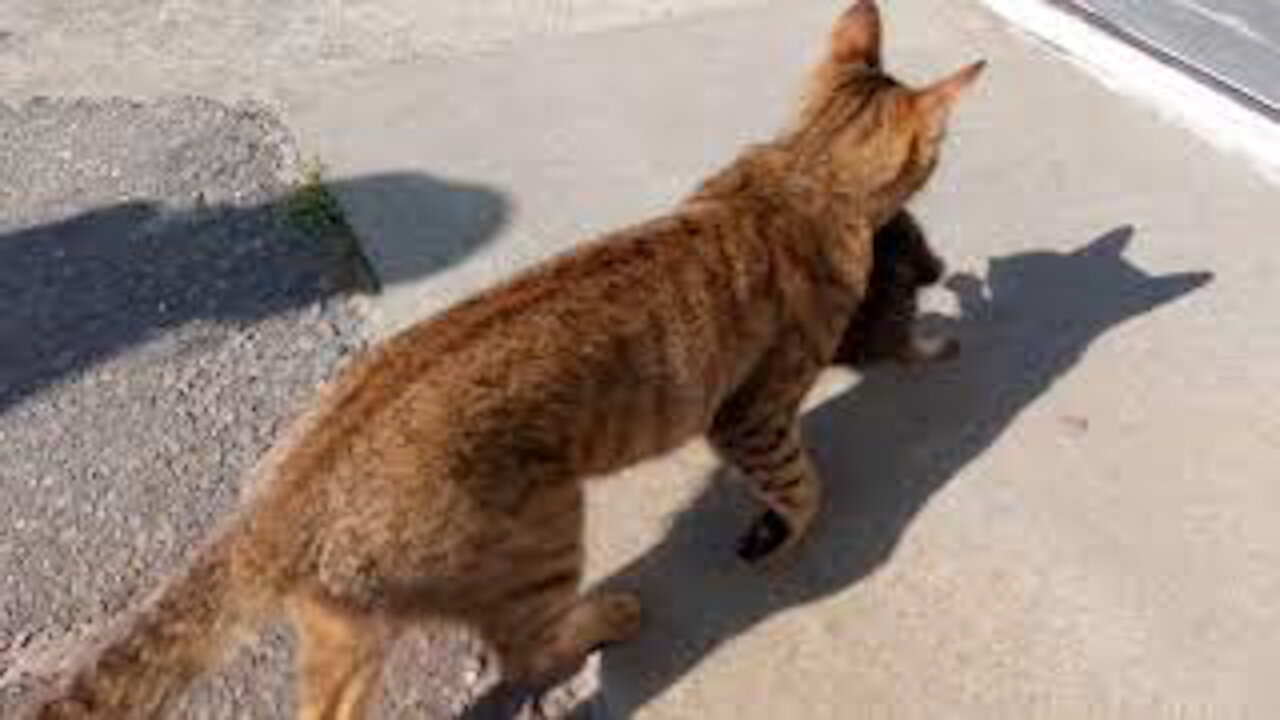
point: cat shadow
(885, 447)
(76, 292)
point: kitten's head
(882, 328)
(878, 138)
(903, 257)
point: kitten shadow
(885, 447)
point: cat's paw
(621, 616)
(767, 540)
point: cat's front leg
(770, 452)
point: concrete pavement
(278, 50)
(1076, 519)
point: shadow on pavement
(885, 447)
(77, 292)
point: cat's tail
(183, 629)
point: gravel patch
(161, 318)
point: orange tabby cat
(439, 476)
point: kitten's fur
(439, 476)
(883, 327)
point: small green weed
(312, 210)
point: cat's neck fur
(778, 180)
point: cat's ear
(856, 36)
(1114, 243)
(935, 102)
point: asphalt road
(161, 317)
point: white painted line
(1225, 19)
(1178, 97)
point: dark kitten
(883, 327)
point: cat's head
(879, 138)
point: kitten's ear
(936, 101)
(856, 37)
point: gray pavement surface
(277, 51)
(1076, 519)
(164, 313)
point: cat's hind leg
(552, 644)
(341, 654)
(531, 610)
(559, 643)
(545, 629)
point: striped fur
(439, 475)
